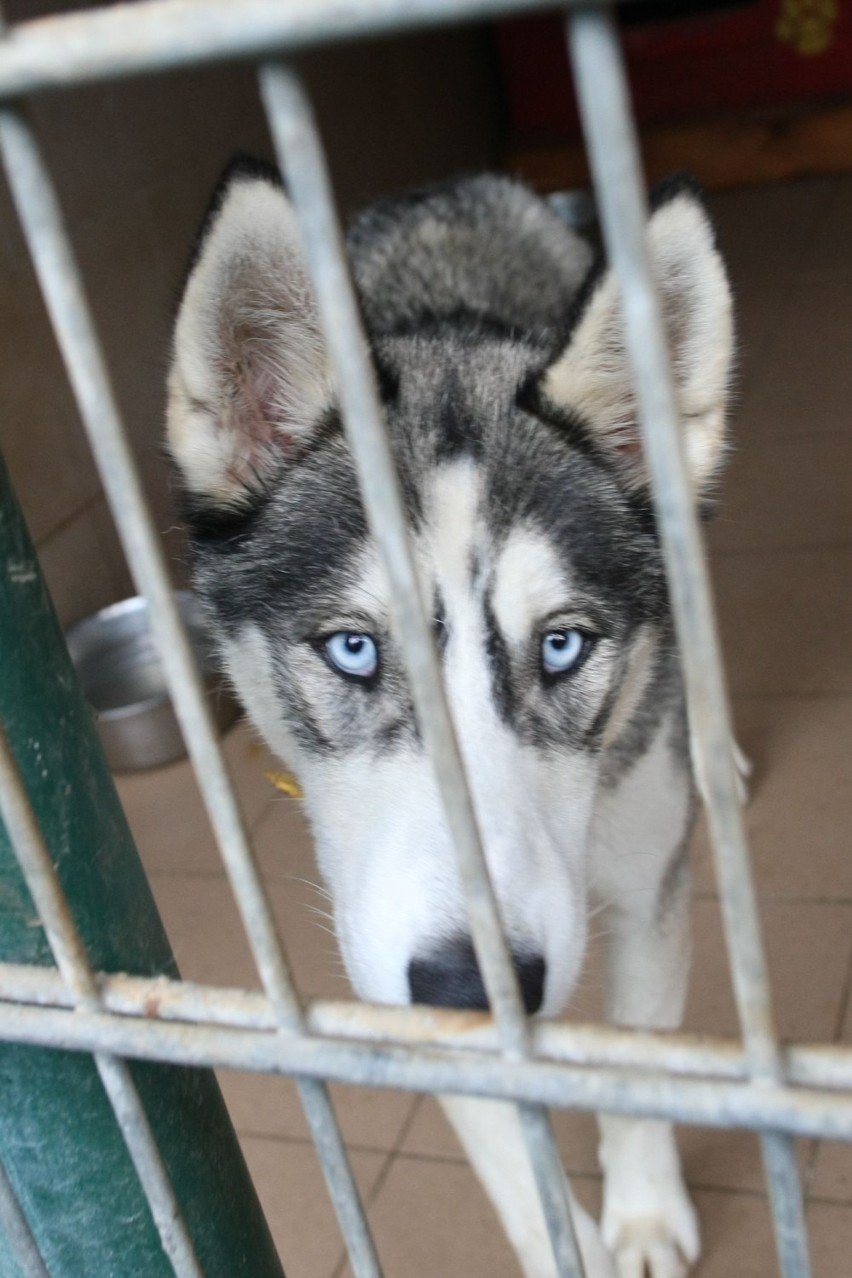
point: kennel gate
(782, 1092)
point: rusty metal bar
(720, 1102)
(808, 1065)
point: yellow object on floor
(286, 783)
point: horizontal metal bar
(15, 1228)
(157, 998)
(157, 35)
(716, 1103)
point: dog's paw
(648, 1221)
(653, 1246)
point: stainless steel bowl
(124, 682)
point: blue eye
(563, 650)
(353, 654)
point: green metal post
(59, 1142)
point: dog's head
(530, 523)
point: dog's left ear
(592, 376)
(250, 379)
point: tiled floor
(782, 559)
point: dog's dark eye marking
(352, 654)
(564, 651)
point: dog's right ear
(592, 376)
(249, 378)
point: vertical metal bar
(58, 1134)
(62, 288)
(339, 1179)
(614, 157)
(778, 1151)
(41, 879)
(15, 1227)
(41, 219)
(552, 1187)
(300, 156)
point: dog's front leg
(648, 1220)
(491, 1135)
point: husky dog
(499, 354)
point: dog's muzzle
(450, 977)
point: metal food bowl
(124, 682)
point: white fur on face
(382, 840)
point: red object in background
(769, 53)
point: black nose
(450, 977)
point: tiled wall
(134, 164)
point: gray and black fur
(499, 356)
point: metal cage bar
(678, 1053)
(63, 291)
(614, 156)
(65, 942)
(301, 158)
(159, 35)
(779, 1092)
(16, 1228)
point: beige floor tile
(786, 620)
(370, 1118)
(792, 493)
(830, 1232)
(800, 799)
(714, 1158)
(168, 821)
(206, 932)
(166, 812)
(293, 1195)
(431, 1220)
(736, 1236)
(430, 1135)
(832, 1175)
(808, 950)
